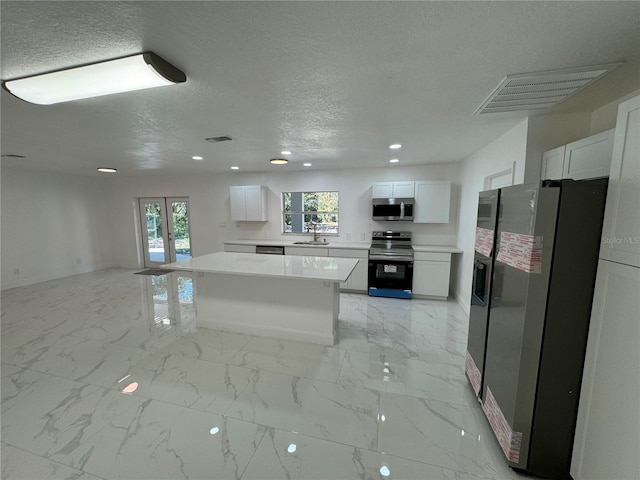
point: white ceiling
(334, 82)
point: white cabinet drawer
(348, 253)
(310, 251)
(240, 248)
(434, 256)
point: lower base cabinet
(431, 273)
(358, 281)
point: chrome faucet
(315, 234)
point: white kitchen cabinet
(228, 247)
(621, 229)
(608, 424)
(431, 271)
(311, 251)
(249, 203)
(586, 158)
(553, 163)
(432, 202)
(358, 281)
(393, 190)
(589, 157)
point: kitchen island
(284, 296)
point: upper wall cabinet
(249, 203)
(621, 229)
(586, 158)
(553, 163)
(393, 190)
(433, 201)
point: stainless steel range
(391, 264)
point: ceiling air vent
(224, 138)
(540, 90)
(12, 155)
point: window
(301, 210)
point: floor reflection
(169, 300)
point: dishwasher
(270, 250)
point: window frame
(304, 213)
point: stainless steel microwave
(393, 209)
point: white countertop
(346, 245)
(436, 248)
(281, 266)
(290, 243)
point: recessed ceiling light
(197, 157)
(235, 168)
(285, 152)
(279, 161)
(394, 160)
(107, 170)
(306, 164)
(395, 146)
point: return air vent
(540, 90)
(218, 139)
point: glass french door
(165, 230)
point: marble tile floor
(106, 375)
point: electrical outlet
(362, 237)
(16, 271)
(222, 224)
(348, 236)
(200, 275)
(78, 261)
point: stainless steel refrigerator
(547, 239)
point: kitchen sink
(311, 242)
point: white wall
(210, 211)
(52, 226)
(604, 118)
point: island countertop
(304, 267)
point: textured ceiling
(334, 82)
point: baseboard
(463, 304)
(45, 277)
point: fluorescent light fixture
(107, 170)
(135, 72)
(306, 164)
(197, 157)
(235, 168)
(279, 161)
(285, 152)
(395, 146)
(394, 160)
